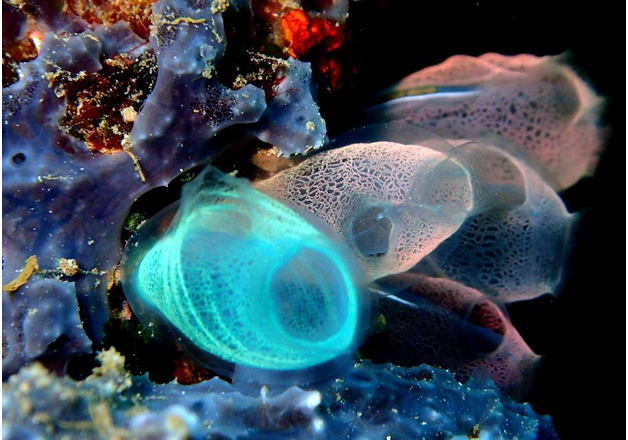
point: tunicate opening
(488, 327)
(497, 179)
(18, 158)
(371, 232)
(309, 296)
(446, 189)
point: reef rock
(366, 400)
(100, 117)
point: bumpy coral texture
(420, 402)
(187, 106)
(447, 324)
(246, 278)
(392, 203)
(537, 102)
(292, 121)
(62, 200)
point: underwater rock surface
(372, 401)
(68, 184)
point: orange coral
(302, 33)
(297, 34)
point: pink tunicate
(431, 330)
(538, 102)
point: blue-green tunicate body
(245, 278)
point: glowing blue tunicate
(245, 278)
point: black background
(582, 332)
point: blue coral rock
(365, 401)
(63, 200)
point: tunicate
(538, 102)
(245, 278)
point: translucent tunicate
(396, 201)
(244, 278)
(474, 212)
(540, 103)
(509, 252)
(392, 203)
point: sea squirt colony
(474, 212)
(412, 231)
